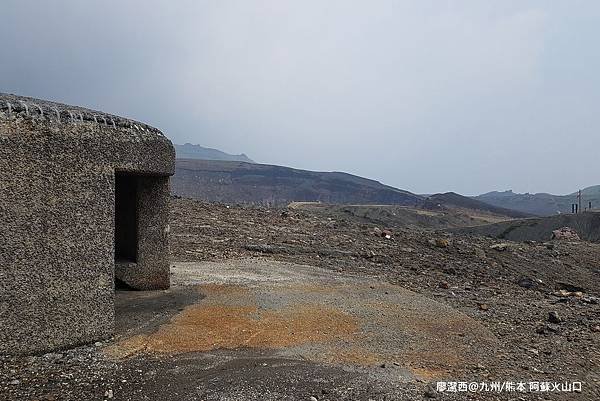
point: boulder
(565, 233)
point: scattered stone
(500, 247)
(590, 300)
(387, 234)
(569, 287)
(547, 329)
(444, 284)
(430, 391)
(596, 329)
(52, 356)
(15, 382)
(553, 317)
(368, 254)
(552, 328)
(549, 245)
(442, 243)
(526, 283)
(483, 307)
(565, 233)
(98, 344)
(480, 253)
(313, 398)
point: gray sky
(428, 96)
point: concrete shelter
(84, 201)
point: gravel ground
(539, 301)
(510, 289)
(312, 314)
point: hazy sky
(429, 96)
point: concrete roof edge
(63, 113)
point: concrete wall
(57, 220)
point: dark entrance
(126, 219)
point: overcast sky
(428, 96)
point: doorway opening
(126, 218)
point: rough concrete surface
(58, 167)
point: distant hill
(453, 200)
(593, 191)
(189, 151)
(541, 204)
(239, 182)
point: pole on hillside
(579, 199)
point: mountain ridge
(541, 204)
(191, 151)
(242, 182)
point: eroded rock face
(58, 168)
(565, 233)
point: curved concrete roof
(58, 112)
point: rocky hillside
(541, 204)
(453, 200)
(189, 151)
(261, 184)
(587, 225)
(394, 216)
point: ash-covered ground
(282, 282)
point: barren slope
(261, 184)
(586, 224)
